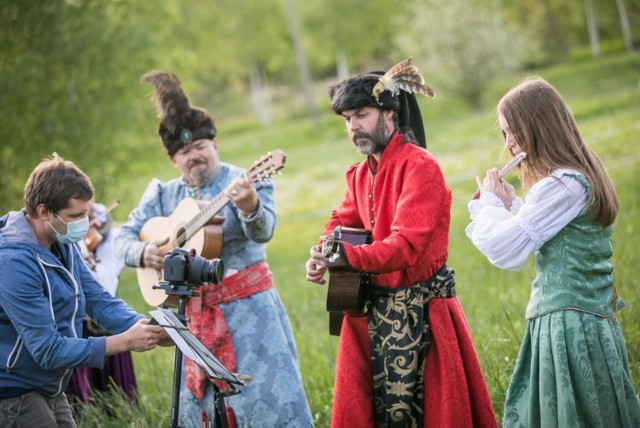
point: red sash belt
(207, 322)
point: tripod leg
(221, 409)
(177, 378)
(177, 372)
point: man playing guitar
(408, 360)
(242, 320)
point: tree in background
(301, 57)
(356, 34)
(564, 26)
(624, 24)
(66, 87)
(592, 27)
(465, 45)
(591, 15)
(225, 43)
(71, 68)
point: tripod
(183, 292)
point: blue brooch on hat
(186, 136)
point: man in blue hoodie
(45, 289)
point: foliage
(66, 88)
(359, 29)
(466, 45)
(559, 26)
(71, 67)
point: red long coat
(405, 203)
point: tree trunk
(303, 66)
(261, 97)
(624, 23)
(592, 27)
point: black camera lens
(203, 271)
(182, 266)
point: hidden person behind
(118, 371)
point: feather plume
(170, 101)
(402, 76)
(400, 68)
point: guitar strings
(203, 216)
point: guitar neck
(206, 214)
(260, 170)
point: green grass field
(605, 97)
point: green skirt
(572, 371)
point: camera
(182, 266)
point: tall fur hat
(357, 92)
(393, 90)
(180, 123)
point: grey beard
(203, 175)
(199, 177)
(378, 139)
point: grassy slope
(605, 96)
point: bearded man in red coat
(408, 359)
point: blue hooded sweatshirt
(43, 297)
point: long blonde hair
(544, 127)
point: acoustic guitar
(346, 289)
(194, 225)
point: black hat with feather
(393, 90)
(180, 123)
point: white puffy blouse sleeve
(108, 265)
(508, 238)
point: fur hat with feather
(393, 90)
(180, 123)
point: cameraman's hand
(140, 337)
(243, 195)
(153, 256)
(166, 340)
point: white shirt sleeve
(508, 238)
(108, 266)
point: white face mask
(76, 230)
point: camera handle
(184, 291)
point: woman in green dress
(572, 368)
